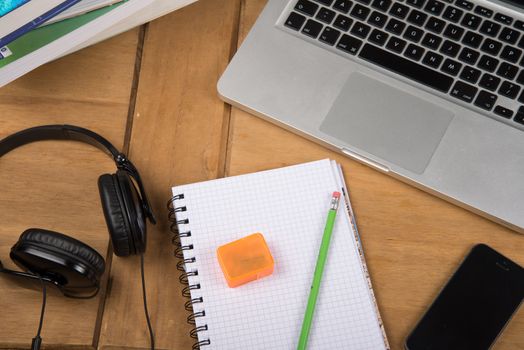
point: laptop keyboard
(466, 51)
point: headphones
(72, 266)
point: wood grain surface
(179, 136)
(413, 241)
(156, 97)
(53, 184)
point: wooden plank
(179, 134)
(53, 185)
(413, 241)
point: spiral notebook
(289, 207)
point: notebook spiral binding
(182, 266)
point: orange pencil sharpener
(245, 260)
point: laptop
(428, 91)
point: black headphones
(74, 267)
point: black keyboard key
(521, 42)
(469, 56)
(451, 67)
(416, 3)
(490, 28)
(470, 74)
(511, 54)
(312, 28)
(499, 17)
(509, 89)
(509, 35)
(342, 5)
(505, 19)
(382, 5)
(471, 21)
(463, 91)
(432, 59)
(431, 41)
(450, 48)
(519, 117)
(519, 25)
(491, 46)
(407, 68)
(329, 36)
(360, 29)
(395, 26)
(398, 10)
(503, 112)
(377, 19)
(295, 21)
(484, 11)
(307, 7)
(396, 44)
(520, 78)
(453, 14)
(489, 82)
(417, 17)
(485, 100)
(325, 15)
(521, 98)
(360, 12)
(472, 39)
(343, 23)
(464, 4)
(378, 37)
(325, 2)
(434, 7)
(507, 71)
(435, 25)
(488, 63)
(349, 44)
(453, 32)
(413, 33)
(414, 52)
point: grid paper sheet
(289, 207)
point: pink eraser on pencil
(336, 194)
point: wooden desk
(155, 96)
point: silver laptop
(428, 91)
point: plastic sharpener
(245, 260)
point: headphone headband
(75, 133)
(57, 132)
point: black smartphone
(474, 306)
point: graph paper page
(289, 207)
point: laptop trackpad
(386, 122)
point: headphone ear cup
(135, 210)
(72, 264)
(63, 244)
(115, 215)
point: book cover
(20, 17)
(42, 36)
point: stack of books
(34, 32)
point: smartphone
(474, 306)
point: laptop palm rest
(386, 122)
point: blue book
(11, 9)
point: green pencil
(319, 269)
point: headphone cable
(37, 341)
(151, 335)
